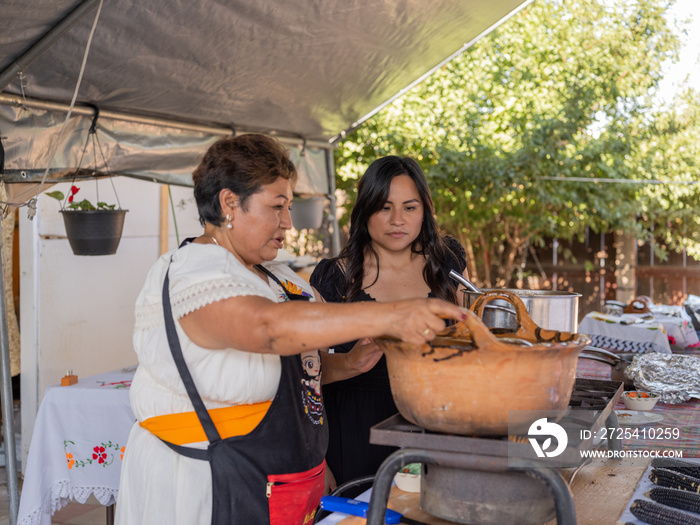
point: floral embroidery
(295, 289)
(118, 384)
(102, 454)
(99, 454)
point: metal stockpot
(548, 309)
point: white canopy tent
(301, 68)
(168, 77)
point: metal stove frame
(487, 454)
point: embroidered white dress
(157, 485)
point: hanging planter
(91, 229)
(94, 232)
(307, 212)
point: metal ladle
(473, 288)
(464, 281)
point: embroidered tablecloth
(77, 445)
(625, 333)
(678, 324)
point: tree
(670, 149)
(563, 90)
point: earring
(229, 226)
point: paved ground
(92, 513)
(4, 499)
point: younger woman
(394, 252)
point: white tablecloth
(77, 445)
(679, 327)
(625, 333)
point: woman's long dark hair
(372, 194)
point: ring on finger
(426, 331)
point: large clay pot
(466, 380)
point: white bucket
(307, 212)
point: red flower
(99, 454)
(73, 191)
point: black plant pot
(94, 232)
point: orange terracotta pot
(467, 379)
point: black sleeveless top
(355, 405)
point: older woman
(394, 252)
(230, 423)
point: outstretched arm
(256, 324)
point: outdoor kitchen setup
(467, 479)
(466, 403)
(474, 403)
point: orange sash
(184, 427)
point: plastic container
(408, 478)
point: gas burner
(589, 394)
(468, 479)
(593, 394)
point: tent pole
(45, 42)
(7, 99)
(335, 234)
(8, 419)
(163, 230)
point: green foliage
(58, 195)
(84, 205)
(564, 89)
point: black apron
(274, 474)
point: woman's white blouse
(200, 274)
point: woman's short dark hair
(372, 194)
(243, 164)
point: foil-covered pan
(676, 378)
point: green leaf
(84, 205)
(58, 195)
